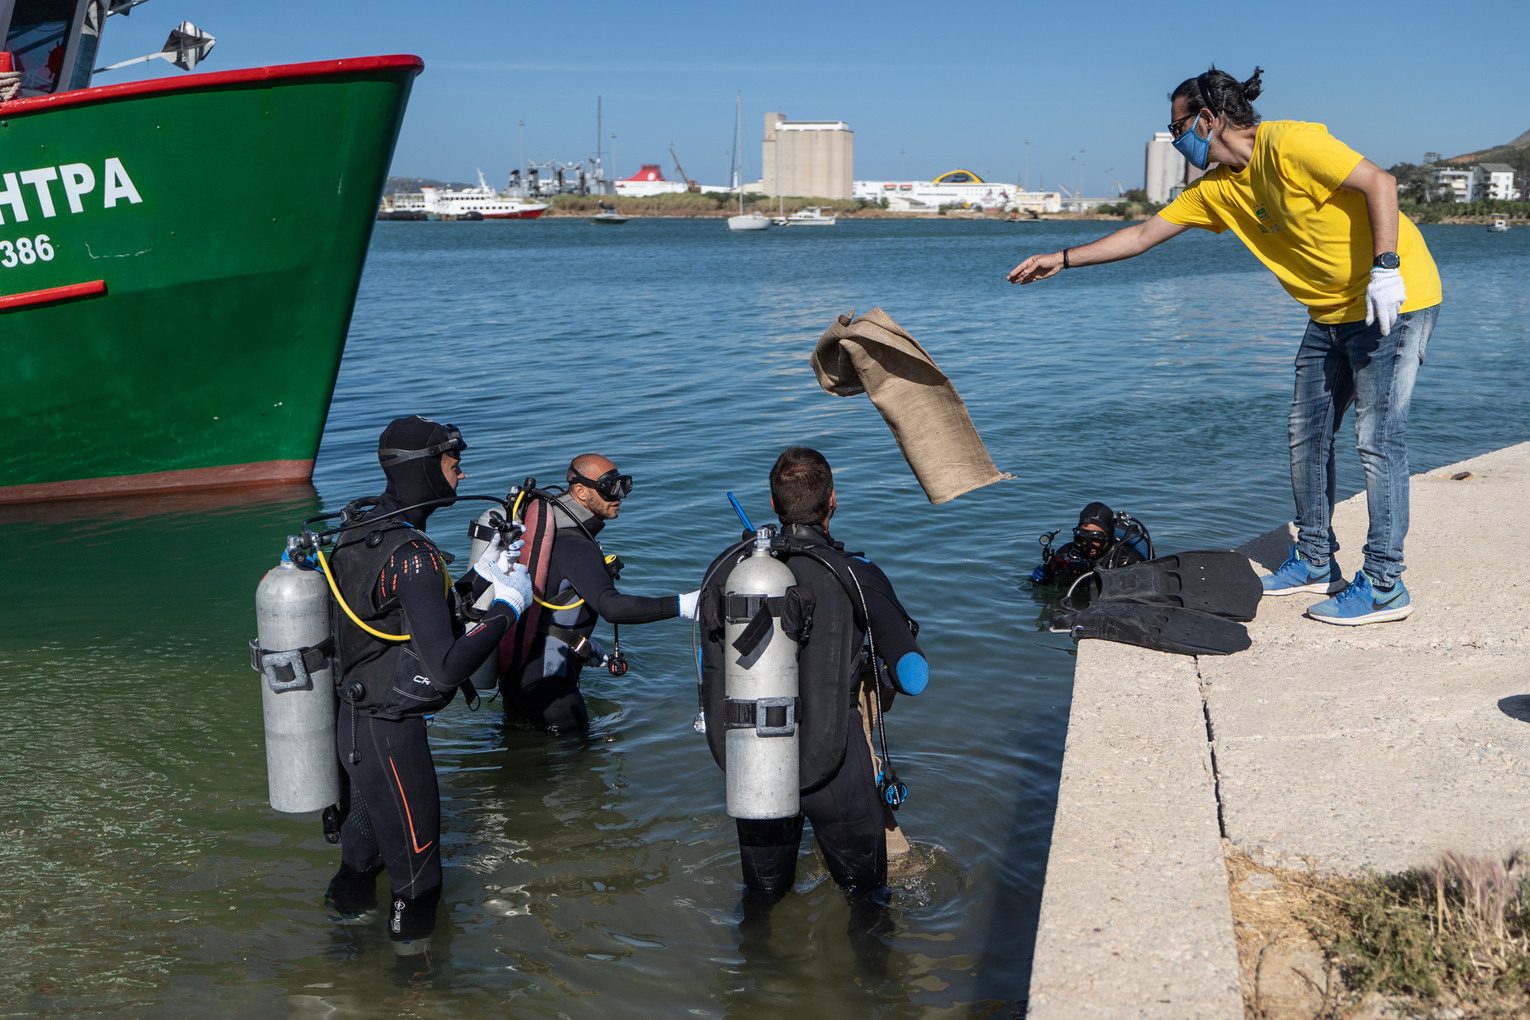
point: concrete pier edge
(1338, 748)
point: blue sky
(925, 86)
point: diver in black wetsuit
(546, 693)
(394, 578)
(1102, 538)
(840, 794)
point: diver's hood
(409, 451)
(1098, 513)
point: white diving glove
(512, 587)
(10, 84)
(503, 555)
(688, 600)
(1384, 298)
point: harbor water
(144, 871)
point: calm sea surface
(144, 871)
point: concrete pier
(1340, 748)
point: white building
(1462, 182)
(1165, 170)
(1496, 181)
(956, 189)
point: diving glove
(512, 586)
(688, 600)
(1384, 297)
(503, 555)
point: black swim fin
(1161, 627)
(1217, 582)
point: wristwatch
(1386, 260)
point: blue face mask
(1193, 147)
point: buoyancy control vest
(819, 614)
(552, 638)
(383, 678)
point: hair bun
(1254, 85)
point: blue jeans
(1352, 363)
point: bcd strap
(579, 645)
(291, 670)
(481, 532)
(758, 610)
(768, 717)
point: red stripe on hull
(514, 216)
(198, 82)
(271, 472)
(11, 302)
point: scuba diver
(541, 688)
(393, 579)
(1102, 538)
(840, 602)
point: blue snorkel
(738, 508)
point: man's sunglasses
(612, 487)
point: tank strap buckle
(768, 717)
(757, 612)
(291, 670)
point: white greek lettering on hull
(28, 192)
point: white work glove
(512, 587)
(503, 555)
(688, 602)
(1384, 298)
(10, 84)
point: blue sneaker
(1360, 603)
(1295, 576)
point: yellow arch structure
(945, 178)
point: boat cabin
(53, 43)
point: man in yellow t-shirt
(1324, 220)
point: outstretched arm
(1123, 244)
(1380, 191)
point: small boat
(742, 221)
(607, 214)
(813, 216)
(748, 221)
(1500, 225)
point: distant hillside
(397, 184)
(1512, 153)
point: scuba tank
(760, 756)
(294, 654)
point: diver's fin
(1165, 628)
(1217, 582)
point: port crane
(690, 185)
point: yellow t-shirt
(1287, 206)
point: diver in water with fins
(1102, 538)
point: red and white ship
(648, 181)
(480, 203)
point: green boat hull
(178, 266)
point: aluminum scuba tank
(294, 654)
(760, 748)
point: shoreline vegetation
(1448, 940)
(713, 205)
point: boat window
(37, 41)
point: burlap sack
(873, 355)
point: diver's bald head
(590, 465)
